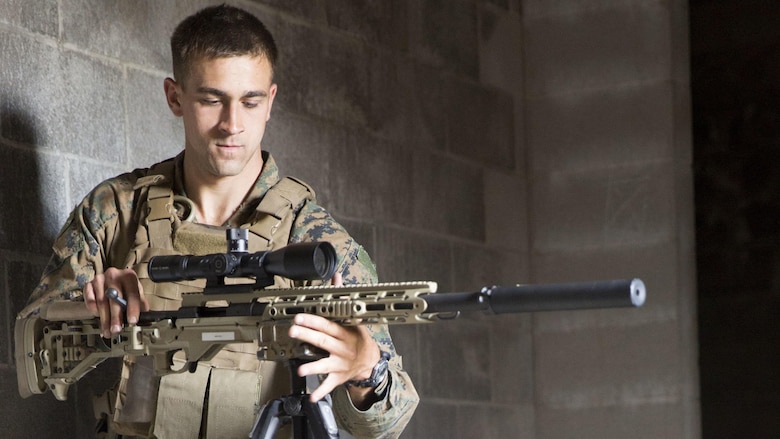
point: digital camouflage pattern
(101, 231)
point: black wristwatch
(378, 375)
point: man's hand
(353, 353)
(110, 312)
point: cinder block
(374, 21)
(584, 47)
(407, 105)
(641, 421)
(322, 74)
(504, 4)
(538, 9)
(84, 176)
(372, 179)
(484, 133)
(310, 10)
(595, 128)
(476, 267)
(98, 138)
(457, 361)
(136, 32)
(617, 206)
(26, 118)
(608, 366)
(304, 148)
(506, 215)
(448, 197)
(433, 420)
(501, 60)
(58, 97)
(404, 255)
(32, 211)
(433, 40)
(39, 16)
(494, 421)
(511, 353)
(153, 132)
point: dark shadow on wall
(25, 246)
(736, 135)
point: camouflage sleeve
(79, 251)
(386, 418)
(314, 223)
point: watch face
(380, 370)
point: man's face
(225, 104)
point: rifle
(63, 342)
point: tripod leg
(322, 422)
(268, 422)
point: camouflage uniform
(101, 231)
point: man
(223, 89)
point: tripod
(309, 419)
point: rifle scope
(301, 261)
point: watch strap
(378, 374)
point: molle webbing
(158, 214)
(276, 211)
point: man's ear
(172, 95)
(271, 96)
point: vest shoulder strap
(158, 211)
(274, 215)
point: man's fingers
(89, 298)
(132, 291)
(144, 302)
(327, 386)
(113, 314)
(318, 339)
(321, 324)
(117, 315)
(99, 302)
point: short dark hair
(218, 32)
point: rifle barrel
(542, 297)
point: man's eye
(251, 104)
(211, 102)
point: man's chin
(226, 172)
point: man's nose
(231, 120)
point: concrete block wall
(470, 142)
(608, 140)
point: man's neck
(218, 198)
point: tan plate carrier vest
(230, 389)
